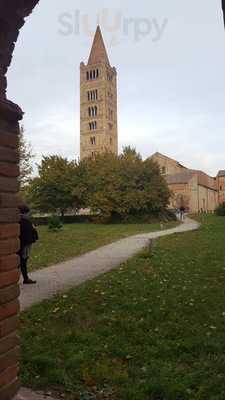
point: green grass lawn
(152, 330)
(76, 239)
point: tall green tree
(26, 158)
(130, 152)
(118, 187)
(55, 189)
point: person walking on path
(182, 212)
(28, 236)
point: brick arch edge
(12, 18)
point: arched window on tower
(88, 76)
(91, 76)
(93, 140)
(97, 73)
(93, 126)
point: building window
(109, 77)
(111, 114)
(93, 74)
(93, 140)
(221, 188)
(163, 170)
(92, 95)
(111, 141)
(110, 127)
(93, 126)
(92, 111)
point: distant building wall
(194, 189)
(167, 165)
(208, 199)
(221, 188)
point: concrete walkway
(27, 394)
(62, 277)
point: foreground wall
(12, 15)
(9, 245)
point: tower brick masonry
(98, 102)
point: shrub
(221, 210)
(166, 216)
(54, 223)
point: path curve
(64, 276)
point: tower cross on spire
(98, 52)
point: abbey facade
(193, 189)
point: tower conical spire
(98, 52)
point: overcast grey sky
(170, 58)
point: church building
(193, 189)
(98, 102)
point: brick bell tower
(98, 102)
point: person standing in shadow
(28, 236)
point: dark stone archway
(12, 14)
(12, 18)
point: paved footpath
(27, 394)
(64, 276)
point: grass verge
(76, 239)
(152, 330)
